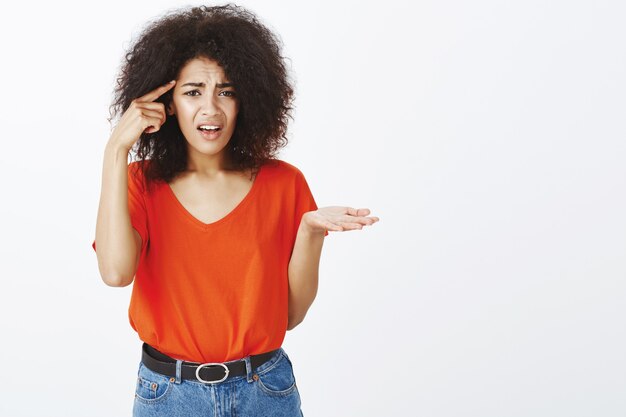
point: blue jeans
(269, 390)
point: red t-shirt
(216, 292)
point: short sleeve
(304, 199)
(136, 204)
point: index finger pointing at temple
(157, 92)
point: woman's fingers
(154, 114)
(156, 93)
(150, 105)
(339, 218)
(351, 226)
(357, 212)
(359, 216)
(153, 123)
(143, 115)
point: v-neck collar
(240, 206)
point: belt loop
(248, 368)
(179, 373)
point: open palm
(337, 219)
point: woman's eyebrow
(218, 85)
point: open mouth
(209, 131)
(209, 128)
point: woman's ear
(169, 109)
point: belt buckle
(212, 364)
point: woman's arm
(305, 259)
(118, 244)
(303, 272)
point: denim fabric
(269, 390)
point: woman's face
(203, 96)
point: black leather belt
(204, 372)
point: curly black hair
(250, 55)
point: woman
(221, 239)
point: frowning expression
(206, 106)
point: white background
(488, 136)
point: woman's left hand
(336, 219)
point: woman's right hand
(143, 115)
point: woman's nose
(209, 104)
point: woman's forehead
(202, 67)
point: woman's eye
(226, 93)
